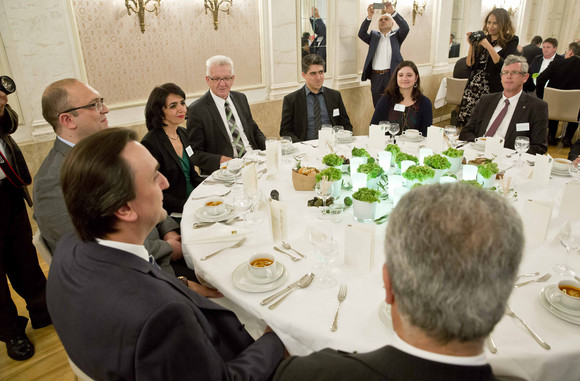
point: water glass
(521, 145)
(326, 250)
(243, 205)
(571, 242)
(234, 167)
(394, 130)
(451, 134)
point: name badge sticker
(497, 48)
(189, 151)
(400, 107)
(522, 127)
(335, 112)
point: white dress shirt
(220, 104)
(138, 250)
(503, 127)
(382, 58)
(546, 62)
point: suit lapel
(303, 111)
(519, 112)
(488, 113)
(164, 139)
(217, 118)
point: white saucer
(385, 314)
(246, 282)
(289, 151)
(557, 308)
(551, 293)
(202, 216)
(409, 139)
(558, 172)
(479, 147)
(219, 176)
(346, 140)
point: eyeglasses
(217, 80)
(98, 105)
(511, 73)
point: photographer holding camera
(18, 258)
(487, 50)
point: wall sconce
(510, 10)
(140, 6)
(418, 9)
(215, 6)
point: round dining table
(303, 320)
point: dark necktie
(233, 127)
(495, 125)
(317, 119)
(152, 261)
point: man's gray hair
(512, 59)
(452, 254)
(218, 61)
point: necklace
(175, 138)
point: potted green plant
(373, 172)
(486, 174)
(401, 156)
(332, 160)
(455, 157)
(335, 176)
(365, 203)
(418, 174)
(439, 163)
(393, 148)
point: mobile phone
(378, 5)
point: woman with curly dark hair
(485, 59)
(403, 102)
(169, 144)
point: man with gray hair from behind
(452, 252)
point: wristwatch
(184, 280)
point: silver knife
(271, 298)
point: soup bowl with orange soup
(570, 293)
(214, 206)
(262, 265)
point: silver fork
(212, 195)
(528, 275)
(510, 313)
(541, 279)
(235, 245)
(341, 297)
(293, 258)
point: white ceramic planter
(373, 183)
(486, 183)
(336, 188)
(364, 211)
(437, 177)
(455, 163)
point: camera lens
(7, 85)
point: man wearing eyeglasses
(220, 124)
(511, 113)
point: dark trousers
(379, 83)
(553, 129)
(18, 262)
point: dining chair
(562, 105)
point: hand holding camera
(475, 37)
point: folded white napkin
(217, 233)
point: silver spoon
(287, 246)
(302, 284)
(293, 258)
(198, 225)
(237, 244)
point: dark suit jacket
(563, 74)
(535, 68)
(120, 318)
(574, 150)
(387, 363)
(454, 50)
(318, 46)
(160, 147)
(529, 109)
(53, 219)
(530, 52)
(295, 114)
(372, 39)
(208, 135)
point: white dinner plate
(244, 281)
(409, 139)
(479, 147)
(202, 215)
(385, 314)
(575, 319)
(350, 139)
(553, 294)
(220, 176)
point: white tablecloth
(303, 320)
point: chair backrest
(79, 373)
(562, 104)
(41, 247)
(455, 88)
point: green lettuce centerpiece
(367, 195)
(393, 148)
(360, 152)
(400, 156)
(419, 173)
(487, 170)
(332, 160)
(330, 174)
(452, 152)
(372, 170)
(473, 183)
(437, 162)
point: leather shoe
(552, 141)
(20, 348)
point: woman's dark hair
(154, 114)
(505, 26)
(392, 89)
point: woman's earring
(415, 85)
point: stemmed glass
(451, 134)
(235, 168)
(323, 189)
(243, 204)
(570, 242)
(286, 145)
(394, 130)
(326, 249)
(522, 144)
(256, 199)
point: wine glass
(286, 146)
(385, 125)
(574, 169)
(323, 189)
(243, 203)
(394, 130)
(235, 168)
(451, 134)
(326, 249)
(522, 144)
(570, 242)
(256, 200)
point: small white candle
(395, 182)
(405, 164)
(385, 158)
(423, 153)
(359, 180)
(354, 164)
(469, 172)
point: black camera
(7, 85)
(475, 37)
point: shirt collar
(138, 250)
(65, 141)
(513, 100)
(402, 345)
(308, 91)
(220, 101)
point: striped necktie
(317, 119)
(233, 127)
(495, 125)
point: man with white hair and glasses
(447, 288)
